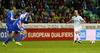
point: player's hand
(82, 22)
(67, 22)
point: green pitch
(51, 47)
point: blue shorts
(9, 29)
(16, 28)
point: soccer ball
(92, 41)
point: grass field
(51, 47)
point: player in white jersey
(77, 25)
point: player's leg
(23, 33)
(12, 38)
(9, 38)
(76, 32)
(9, 34)
(75, 29)
(79, 40)
(9, 31)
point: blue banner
(97, 34)
(3, 35)
(83, 35)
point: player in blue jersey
(17, 27)
(10, 20)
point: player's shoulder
(79, 16)
(73, 16)
(9, 12)
(25, 13)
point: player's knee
(25, 32)
(14, 33)
(76, 32)
(9, 34)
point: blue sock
(8, 39)
(21, 36)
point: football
(92, 42)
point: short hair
(76, 11)
(12, 7)
(28, 9)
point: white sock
(78, 37)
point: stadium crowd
(52, 11)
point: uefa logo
(83, 34)
(97, 34)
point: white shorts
(79, 28)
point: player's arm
(83, 21)
(20, 24)
(26, 22)
(11, 17)
(70, 21)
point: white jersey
(77, 21)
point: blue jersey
(22, 18)
(10, 20)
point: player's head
(76, 12)
(28, 10)
(13, 7)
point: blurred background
(52, 11)
(50, 33)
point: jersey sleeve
(72, 18)
(23, 17)
(12, 17)
(26, 18)
(81, 18)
